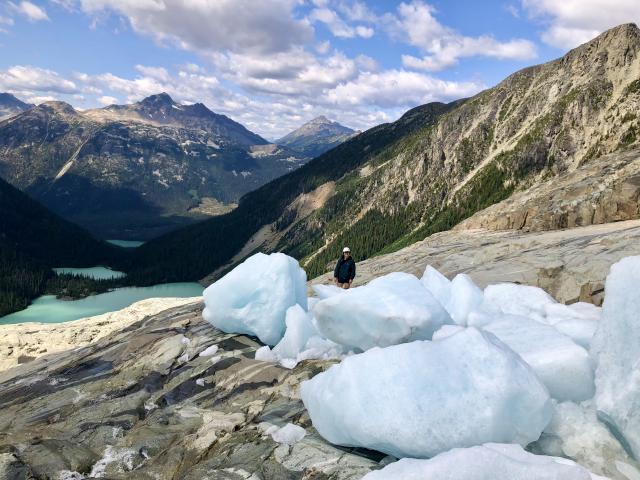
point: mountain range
(399, 182)
(316, 137)
(437, 165)
(134, 171)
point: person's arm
(335, 272)
(353, 272)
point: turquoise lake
(48, 309)
(99, 273)
(126, 243)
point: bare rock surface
(23, 342)
(570, 264)
(142, 403)
(601, 191)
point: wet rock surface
(142, 403)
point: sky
(275, 64)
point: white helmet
(346, 249)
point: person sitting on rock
(345, 270)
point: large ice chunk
(563, 366)
(516, 299)
(576, 432)
(254, 297)
(299, 330)
(301, 341)
(422, 398)
(437, 284)
(391, 309)
(485, 462)
(578, 321)
(465, 297)
(616, 346)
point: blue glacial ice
(253, 298)
(491, 461)
(422, 398)
(391, 309)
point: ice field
(450, 377)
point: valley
(148, 167)
(167, 298)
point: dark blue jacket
(345, 270)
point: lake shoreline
(23, 342)
(50, 309)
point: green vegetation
(628, 117)
(629, 137)
(32, 241)
(633, 87)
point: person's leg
(345, 285)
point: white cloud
(37, 99)
(398, 88)
(240, 26)
(292, 73)
(31, 11)
(364, 32)
(572, 22)
(337, 26)
(34, 79)
(513, 10)
(6, 20)
(444, 47)
(107, 100)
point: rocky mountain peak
(320, 120)
(7, 99)
(10, 105)
(316, 136)
(615, 48)
(57, 106)
(158, 99)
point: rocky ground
(141, 403)
(23, 342)
(570, 264)
(602, 190)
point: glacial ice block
(301, 341)
(298, 332)
(391, 309)
(616, 347)
(422, 398)
(562, 365)
(491, 461)
(254, 297)
(515, 299)
(465, 297)
(437, 284)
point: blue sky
(274, 64)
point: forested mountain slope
(32, 241)
(397, 183)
